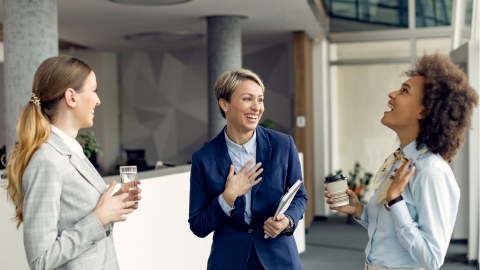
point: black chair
(3, 158)
(137, 158)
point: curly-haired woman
(411, 215)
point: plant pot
(350, 219)
(93, 160)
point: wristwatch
(289, 228)
(392, 202)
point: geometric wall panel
(274, 65)
(164, 98)
(161, 91)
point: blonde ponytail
(53, 77)
(32, 130)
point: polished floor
(335, 244)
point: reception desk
(156, 236)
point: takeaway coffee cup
(337, 187)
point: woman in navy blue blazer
(239, 207)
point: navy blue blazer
(232, 236)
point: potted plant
(357, 182)
(91, 147)
(268, 123)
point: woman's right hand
(111, 209)
(354, 207)
(241, 183)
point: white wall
(12, 253)
(321, 112)
(157, 235)
(362, 99)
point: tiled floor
(334, 244)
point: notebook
(286, 200)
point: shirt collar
(248, 146)
(73, 144)
(411, 151)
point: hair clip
(34, 99)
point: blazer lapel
(264, 152)
(222, 157)
(81, 164)
(86, 169)
(221, 154)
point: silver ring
(126, 205)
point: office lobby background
(327, 65)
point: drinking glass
(128, 178)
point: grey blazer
(61, 190)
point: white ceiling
(102, 25)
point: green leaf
(90, 144)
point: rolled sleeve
(364, 218)
(225, 207)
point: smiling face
(245, 109)
(87, 100)
(405, 106)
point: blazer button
(108, 233)
(250, 230)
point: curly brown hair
(448, 100)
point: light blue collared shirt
(241, 155)
(417, 231)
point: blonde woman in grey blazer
(67, 210)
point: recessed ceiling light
(163, 37)
(150, 2)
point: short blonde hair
(230, 80)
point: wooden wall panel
(303, 65)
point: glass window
(363, 15)
(432, 45)
(370, 50)
(468, 12)
(433, 13)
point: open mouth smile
(251, 118)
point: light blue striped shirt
(417, 231)
(241, 155)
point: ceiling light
(150, 2)
(163, 37)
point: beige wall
(362, 98)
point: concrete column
(224, 52)
(30, 31)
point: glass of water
(128, 178)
